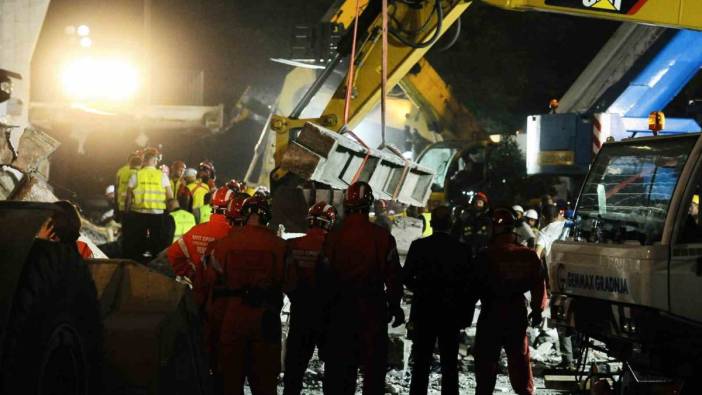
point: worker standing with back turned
(147, 192)
(506, 270)
(437, 270)
(247, 270)
(364, 296)
(306, 318)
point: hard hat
(359, 195)
(321, 215)
(517, 208)
(235, 185)
(263, 192)
(110, 189)
(482, 196)
(235, 205)
(221, 198)
(178, 163)
(504, 218)
(532, 214)
(190, 172)
(208, 166)
(256, 205)
(696, 199)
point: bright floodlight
(109, 80)
(83, 30)
(86, 42)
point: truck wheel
(53, 342)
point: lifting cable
(383, 96)
(349, 90)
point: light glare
(83, 30)
(89, 79)
(86, 42)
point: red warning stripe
(596, 136)
(636, 7)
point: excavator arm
(680, 14)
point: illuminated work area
(350, 197)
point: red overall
(306, 324)
(364, 280)
(185, 255)
(244, 276)
(505, 272)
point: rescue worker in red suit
(306, 322)
(365, 288)
(506, 270)
(214, 309)
(247, 270)
(185, 255)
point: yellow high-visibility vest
(205, 213)
(428, 231)
(199, 190)
(123, 175)
(184, 220)
(175, 186)
(149, 193)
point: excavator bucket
(330, 158)
(153, 342)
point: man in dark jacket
(437, 270)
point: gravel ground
(544, 355)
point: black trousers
(425, 336)
(142, 232)
(305, 334)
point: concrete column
(20, 25)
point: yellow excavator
(414, 27)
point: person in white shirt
(549, 234)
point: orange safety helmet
(321, 215)
(359, 195)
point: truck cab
(629, 273)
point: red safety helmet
(503, 221)
(359, 195)
(322, 215)
(482, 196)
(257, 205)
(236, 186)
(221, 198)
(235, 206)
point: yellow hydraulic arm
(418, 25)
(433, 98)
(685, 14)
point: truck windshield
(628, 190)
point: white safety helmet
(517, 208)
(531, 214)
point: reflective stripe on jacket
(184, 221)
(149, 193)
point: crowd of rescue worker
(343, 278)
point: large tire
(54, 337)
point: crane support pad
(330, 158)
